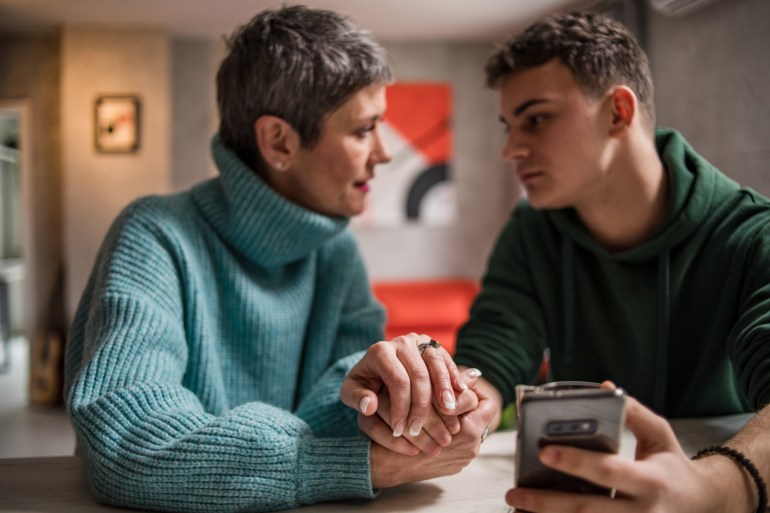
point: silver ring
(484, 435)
(425, 345)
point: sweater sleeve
(146, 440)
(505, 334)
(361, 324)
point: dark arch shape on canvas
(427, 179)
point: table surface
(58, 484)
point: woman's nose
(381, 154)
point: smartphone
(588, 418)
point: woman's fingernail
(399, 429)
(449, 400)
(364, 404)
(416, 427)
(461, 384)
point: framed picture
(117, 124)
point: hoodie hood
(696, 188)
(697, 193)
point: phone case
(588, 418)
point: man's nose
(515, 149)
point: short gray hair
(297, 63)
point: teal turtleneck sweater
(204, 363)
(681, 321)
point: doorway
(13, 232)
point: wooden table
(58, 485)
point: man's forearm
(731, 482)
(753, 442)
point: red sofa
(435, 307)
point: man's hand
(391, 469)
(662, 479)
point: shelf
(9, 154)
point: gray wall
(712, 75)
(194, 66)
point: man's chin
(541, 203)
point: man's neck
(634, 204)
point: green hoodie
(682, 321)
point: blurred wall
(98, 185)
(193, 97)
(712, 74)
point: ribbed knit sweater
(204, 363)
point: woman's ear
(277, 141)
(623, 108)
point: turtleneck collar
(261, 225)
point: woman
(207, 352)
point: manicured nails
(449, 400)
(364, 404)
(461, 384)
(398, 430)
(415, 427)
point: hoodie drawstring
(568, 297)
(661, 349)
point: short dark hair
(297, 63)
(599, 52)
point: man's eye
(536, 120)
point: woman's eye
(363, 131)
(536, 120)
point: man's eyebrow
(527, 104)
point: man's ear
(623, 108)
(277, 141)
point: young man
(632, 259)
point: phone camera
(571, 427)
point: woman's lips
(362, 186)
